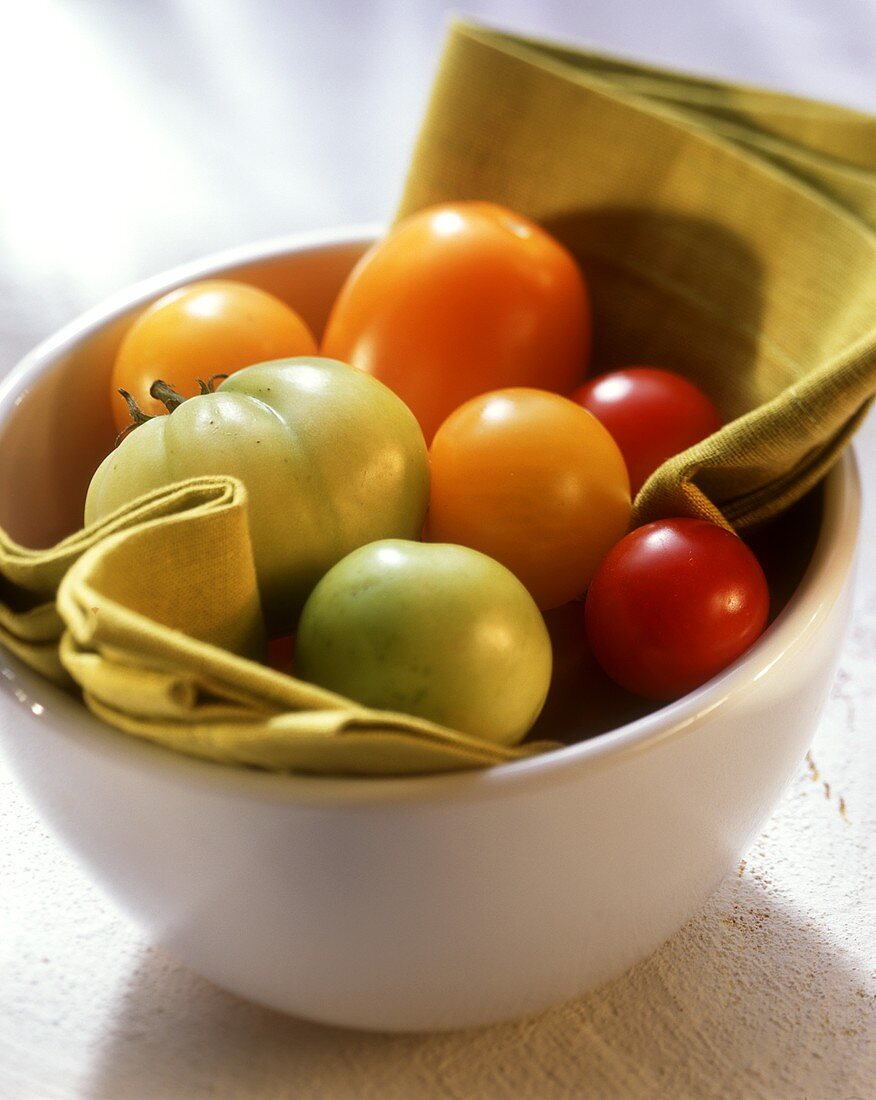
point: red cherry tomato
(281, 653)
(652, 414)
(673, 604)
(460, 299)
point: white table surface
(137, 135)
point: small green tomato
(429, 629)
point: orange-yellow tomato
(212, 327)
(536, 482)
(460, 299)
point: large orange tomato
(536, 482)
(460, 299)
(212, 327)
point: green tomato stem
(138, 417)
(165, 393)
(210, 385)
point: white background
(135, 135)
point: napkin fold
(30, 623)
(158, 621)
(726, 232)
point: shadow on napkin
(727, 232)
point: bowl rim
(819, 588)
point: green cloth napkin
(158, 621)
(726, 233)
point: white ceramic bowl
(399, 904)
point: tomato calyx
(167, 395)
(210, 385)
(138, 417)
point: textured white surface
(115, 167)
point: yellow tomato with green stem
(209, 328)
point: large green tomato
(439, 631)
(330, 457)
